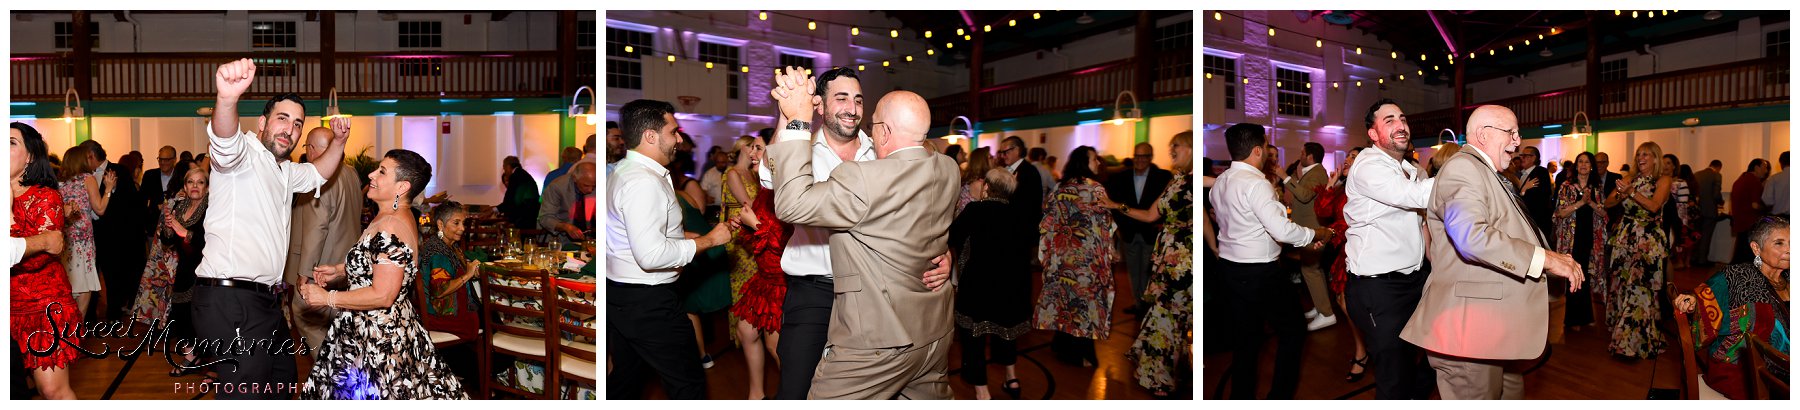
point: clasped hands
(313, 290)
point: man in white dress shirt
(1384, 250)
(1775, 190)
(1251, 222)
(237, 291)
(645, 251)
(806, 310)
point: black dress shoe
(1664, 394)
(1012, 388)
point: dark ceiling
(1054, 29)
(1435, 32)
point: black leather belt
(617, 284)
(235, 283)
(825, 279)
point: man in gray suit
(889, 333)
(1485, 310)
(324, 229)
(1707, 192)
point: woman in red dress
(759, 303)
(42, 305)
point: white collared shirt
(1537, 256)
(1251, 221)
(249, 209)
(644, 240)
(1383, 197)
(808, 252)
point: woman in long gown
(1581, 233)
(189, 239)
(993, 291)
(39, 296)
(1167, 328)
(1077, 249)
(1641, 247)
(153, 296)
(377, 347)
(82, 203)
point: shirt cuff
(1537, 264)
(792, 135)
(12, 256)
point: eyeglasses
(1512, 132)
(1003, 152)
(885, 131)
(1143, 155)
(165, 158)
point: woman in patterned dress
(447, 292)
(40, 289)
(737, 194)
(1641, 248)
(1581, 233)
(1077, 249)
(82, 203)
(377, 347)
(1746, 300)
(153, 296)
(1165, 339)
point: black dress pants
(805, 321)
(1260, 295)
(647, 330)
(222, 314)
(1381, 306)
(974, 355)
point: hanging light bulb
(1528, 41)
(1381, 81)
(1209, 76)
(930, 52)
(1421, 73)
(1509, 47)
(1271, 31)
(1011, 23)
(959, 31)
(1634, 14)
(1035, 16)
(1421, 57)
(966, 37)
(1359, 83)
(1616, 12)
(1490, 51)
(628, 49)
(671, 58)
(987, 28)
(709, 65)
(909, 58)
(894, 33)
(1394, 55)
(1359, 51)
(1277, 84)
(927, 33)
(1309, 86)
(1317, 43)
(1471, 55)
(854, 31)
(812, 25)
(1403, 77)
(744, 69)
(884, 63)
(1334, 85)
(762, 15)
(1217, 16)
(1246, 81)
(809, 71)
(1435, 68)
(949, 45)
(1540, 36)
(859, 67)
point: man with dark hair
(1251, 223)
(1775, 190)
(645, 251)
(1747, 206)
(1540, 200)
(807, 311)
(767, 135)
(237, 291)
(1138, 189)
(570, 155)
(1707, 193)
(1028, 196)
(615, 145)
(1384, 252)
(1045, 172)
(520, 201)
(1303, 187)
(118, 243)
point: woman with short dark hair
(1742, 301)
(38, 281)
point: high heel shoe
(1012, 388)
(1353, 377)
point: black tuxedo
(1607, 186)
(1540, 201)
(1028, 196)
(119, 241)
(1119, 188)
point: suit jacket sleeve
(836, 203)
(334, 211)
(1305, 188)
(1470, 227)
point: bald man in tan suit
(1485, 309)
(889, 333)
(322, 231)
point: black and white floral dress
(381, 353)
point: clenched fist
(235, 77)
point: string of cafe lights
(815, 24)
(1395, 55)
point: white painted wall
(34, 32)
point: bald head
(903, 119)
(1493, 130)
(317, 140)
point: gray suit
(1707, 193)
(888, 333)
(1483, 313)
(323, 230)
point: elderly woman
(377, 348)
(448, 292)
(993, 296)
(1077, 249)
(181, 229)
(1741, 301)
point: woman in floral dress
(1165, 336)
(82, 203)
(165, 255)
(1077, 250)
(1581, 234)
(1641, 247)
(377, 347)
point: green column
(1593, 143)
(84, 129)
(1142, 130)
(568, 133)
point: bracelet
(331, 299)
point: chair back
(518, 321)
(577, 318)
(1761, 382)
(1690, 370)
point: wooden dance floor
(1578, 369)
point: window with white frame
(1293, 96)
(421, 34)
(726, 56)
(1612, 78)
(65, 34)
(624, 47)
(1226, 67)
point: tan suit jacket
(1305, 188)
(324, 229)
(890, 217)
(1480, 301)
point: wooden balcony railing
(1736, 84)
(166, 76)
(1071, 90)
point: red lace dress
(1330, 209)
(760, 303)
(39, 281)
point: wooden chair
(1691, 386)
(1761, 383)
(576, 361)
(509, 339)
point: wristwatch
(799, 125)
